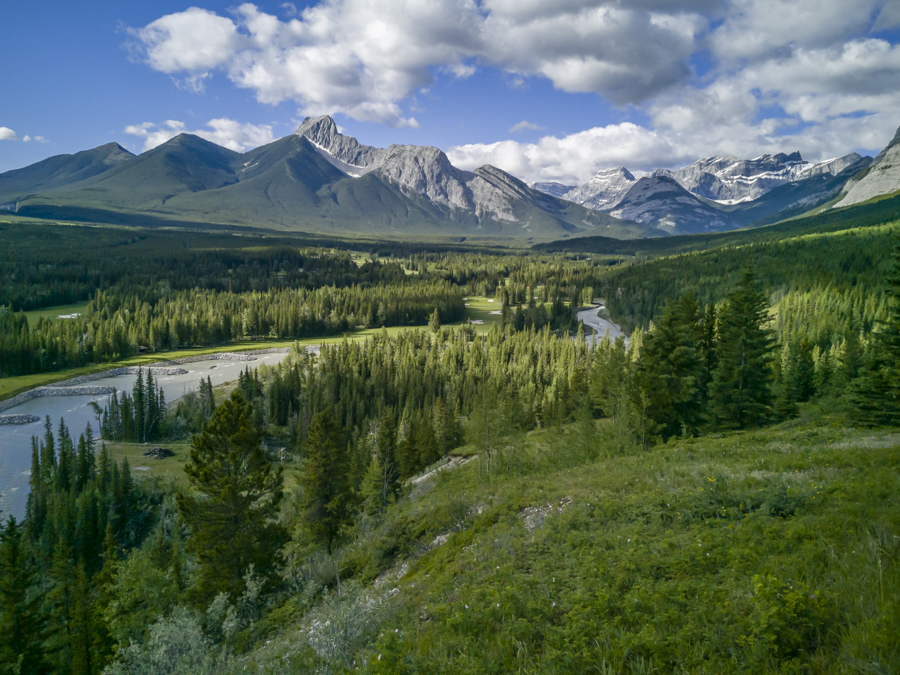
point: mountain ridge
(314, 180)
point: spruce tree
(435, 323)
(669, 372)
(876, 393)
(231, 521)
(324, 481)
(22, 626)
(740, 395)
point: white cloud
(364, 57)
(7, 134)
(524, 125)
(575, 158)
(763, 29)
(221, 131)
(193, 40)
(819, 76)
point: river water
(15, 440)
(590, 320)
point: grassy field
(53, 313)
(478, 309)
(171, 468)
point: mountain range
(318, 180)
(314, 180)
(719, 193)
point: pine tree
(669, 371)
(435, 323)
(740, 394)
(232, 523)
(22, 625)
(324, 481)
(876, 393)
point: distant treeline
(115, 327)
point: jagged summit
(730, 180)
(350, 156)
(604, 190)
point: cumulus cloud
(7, 134)
(701, 77)
(525, 126)
(364, 57)
(575, 158)
(221, 131)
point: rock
(159, 453)
(882, 178)
(8, 420)
(553, 189)
(604, 190)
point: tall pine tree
(740, 395)
(232, 518)
(324, 480)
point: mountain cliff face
(551, 188)
(487, 193)
(882, 178)
(659, 201)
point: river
(590, 320)
(15, 440)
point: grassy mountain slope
(770, 551)
(60, 171)
(145, 183)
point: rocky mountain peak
(604, 190)
(344, 152)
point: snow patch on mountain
(729, 180)
(604, 190)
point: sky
(549, 90)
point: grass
(170, 468)
(479, 309)
(766, 551)
(53, 313)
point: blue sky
(546, 89)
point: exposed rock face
(553, 189)
(882, 178)
(660, 201)
(604, 190)
(419, 170)
(731, 180)
(344, 152)
(427, 171)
